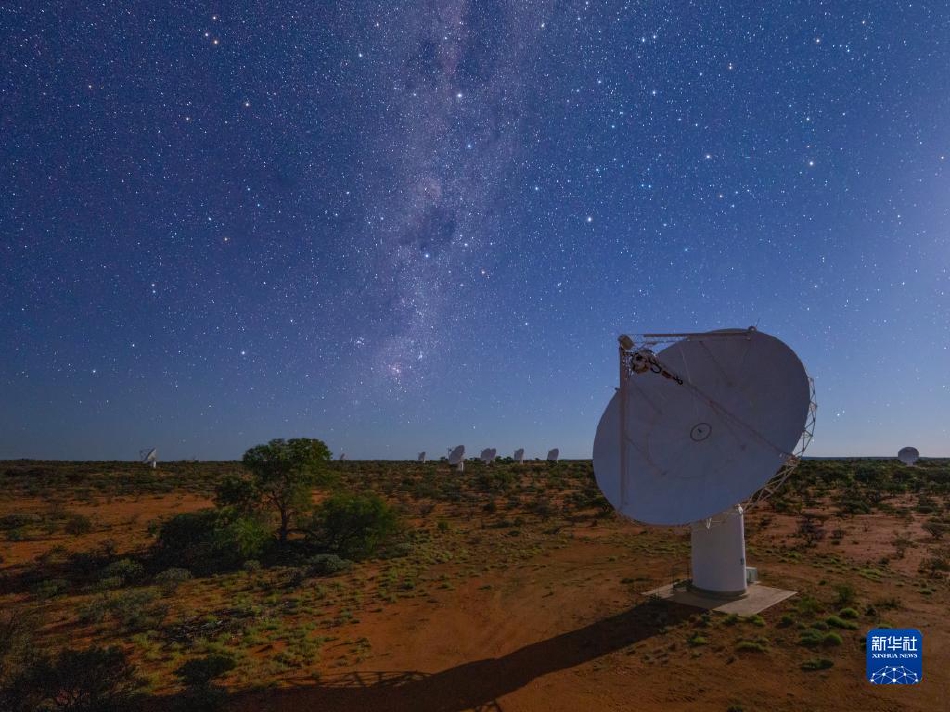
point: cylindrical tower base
(718, 555)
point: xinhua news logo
(895, 657)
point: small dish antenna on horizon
(553, 455)
(908, 455)
(699, 431)
(422, 456)
(457, 457)
(342, 456)
(519, 456)
(488, 455)
(149, 456)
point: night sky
(404, 226)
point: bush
(127, 570)
(50, 588)
(201, 672)
(837, 622)
(751, 646)
(18, 521)
(352, 525)
(78, 524)
(96, 679)
(817, 664)
(208, 541)
(327, 565)
(848, 613)
(109, 583)
(169, 579)
(246, 537)
(846, 593)
(198, 675)
(188, 540)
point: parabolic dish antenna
(553, 455)
(150, 456)
(711, 422)
(908, 455)
(422, 456)
(519, 455)
(456, 454)
(488, 455)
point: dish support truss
(638, 354)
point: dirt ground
(540, 613)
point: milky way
(449, 92)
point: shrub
(169, 579)
(199, 675)
(50, 588)
(109, 583)
(78, 524)
(127, 570)
(352, 525)
(207, 541)
(937, 528)
(188, 540)
(751, 646)
(836, 622)
(846, 594)
(17, 647)
(327, 565)
(848, 613)
(18, 521)
(246, 537)
(201, 672)
(817, 664)
(831, 638)
(96, 679)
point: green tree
(283, 474)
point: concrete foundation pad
(756, 600)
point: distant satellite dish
(697, 429)
(342, 456)
(908, 455)
(422, 456)
(149, 456)
(519, 455)
(553, 455)
(457, 457)
(488, 455)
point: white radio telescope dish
(422, 456)
(150, 456)
(457, 457)
(488, 455)
(710, 422)
(908, 455)
(519, 455)
(553, 455)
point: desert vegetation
(216, 585)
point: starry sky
(402, 226)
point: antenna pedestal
(718, 555)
